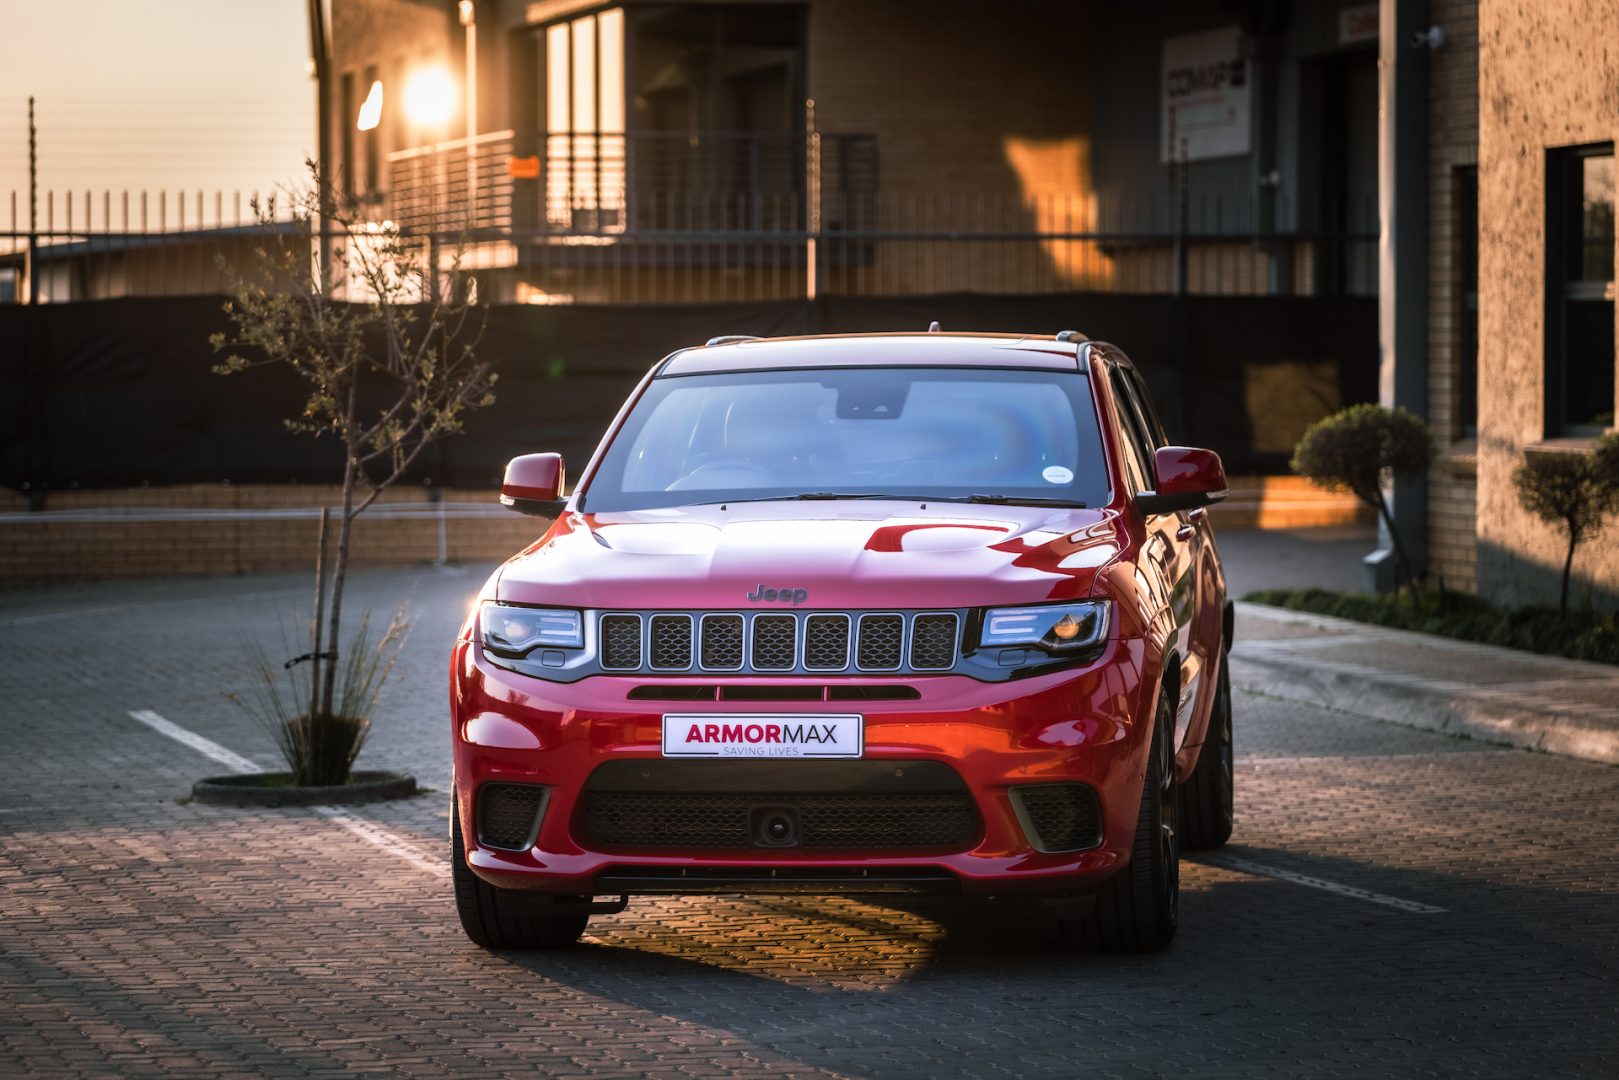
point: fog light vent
(509, 815)
(1059, 817)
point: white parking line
(201, 745)
(1248, 866)
(369, 831)
(1340, 759)
(379, 837)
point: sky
(210, 95)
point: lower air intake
(647, 820)
(509, 815)
(1059, 817)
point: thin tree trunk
(320, 612)
(344, 527)
(1399, 551)
(1568, 564)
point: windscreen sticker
(1056, 474)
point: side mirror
(533, 484)
(1187, 480)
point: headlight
(1053, 627)
(513, 630)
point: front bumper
(1085, 725)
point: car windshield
(972, 434)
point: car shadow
(1270, 971)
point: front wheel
(1138, 909)
(1207, 799)
(501, 918)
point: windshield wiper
(1012, 500)
(822, 496)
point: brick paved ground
(142, 935)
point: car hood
(825, 555)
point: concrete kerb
(1321, 670)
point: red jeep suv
(917, 613)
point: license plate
(763, 735)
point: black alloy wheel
(1208, 803)
(1138, 909)
(501, 918)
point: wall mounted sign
(1357, 25)
(1205, 97)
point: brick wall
(55, 547)
(1453, 142)
(1549, 77)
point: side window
(1144, 401)
(1132, 432)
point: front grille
(933, 641)
(621, 642)
(671, 642)
(509, 815)
(1059, 817)
(779, 642)
(843, 822)
(775, 642)
(881, 638)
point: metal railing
(694, 242)
(613, 183)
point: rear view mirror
(1188, 479)
(533, 484)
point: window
(1138, 445)
(584, 122)
(373, 170)
(346, 110)
(1579, 290)
(1467, 300)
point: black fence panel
(121, 393)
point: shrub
(1572, 490)
(1581, 636)
(320, 748)
(1358, 449)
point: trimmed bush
(1358, 449)
(1574, 491)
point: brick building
(1548, 122)
(634, 136)
(1452, 294)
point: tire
(1207, 803)
(502, 918)
(1138, 909)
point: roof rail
(1071, 335)
(732, 339)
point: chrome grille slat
(773, 645)
(671, 643)
(881, 642)
(722, 640)
(933, 640)
(620, 642)
(826, 642)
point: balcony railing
(608, 184)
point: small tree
(390, 368)
(1359, 449)
(1572, 490)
